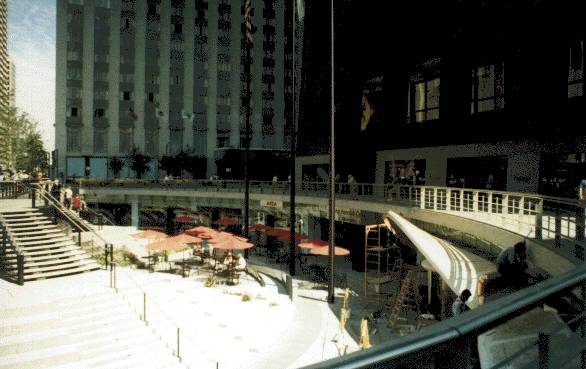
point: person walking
(68, 196)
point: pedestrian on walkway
(68, 196)
(459, 306)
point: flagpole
(292, 220)
(332, 204)
(248, 37)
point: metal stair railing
(8, 239)
(71, 217)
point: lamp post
(332, 202)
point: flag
(248, 20)
(132, 114)
(187, 116)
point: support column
(134, 212)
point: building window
(576, 70)
(126, 95)
(425, 97)
(99, 113)
(151, 142)
(73, 92)
(488, 88)
(73, 112)
(100, 140)
(126, 140)
(223, 141)
(151, 97)
(73, 139)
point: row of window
(487, 90)
(151, 140)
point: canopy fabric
(225, 222)
(312, 244)
(201, 232)
(183, 220)
(325, 251)
(228, 241)
(149, 234)
(284, 234)
(175, 243)
(460, 269)
(259, 227)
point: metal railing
(9, 241)
(554, 219)
(12, 189)
(448, 343)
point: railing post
(33, 197)
(538, 226)
(106, 256)
(79, 237)
(20, 265)
(543, 350)
(178, 346)
(100, 221)
(111, 256)
(558, 229)
(144, 308)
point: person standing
(459, 306)
(68, 196)
(512, 265)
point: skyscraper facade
(164, 76)
(4, 60)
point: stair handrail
(70, 215)
(20, 257)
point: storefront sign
(348, 215)
(271, 204)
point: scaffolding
(406, 302)
(382, 265)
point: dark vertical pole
(111, 256)
(247, 134)
(20, 266)
(33, 196)
(106, 256)
(583, 324)
(292, 128)
(332, 166)
(543, 351)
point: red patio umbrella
(325, 251)
(312, 244)
(183, 220)
(225, 222)
(259, 227)
(283, 234)
(201, 232)
(228, 241)
(149, 234)
(175, 243)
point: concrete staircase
(48, 251)
(91, 329)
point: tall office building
(4, 60)
(163, 76)
(12, 84)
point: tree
(167, 163)
(139, 163)
(115, 165)
(21, 145)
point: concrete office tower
(4, 60)
(12, 85)
(163, 76)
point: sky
(31, 45)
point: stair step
(51, 252)
(26, 220)
(69, 259)
(36, 236)
(55, 246)
(40, 222)
(44, 275)
(55, 240)
(36, 230)
(28, 270)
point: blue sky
(31, 45)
